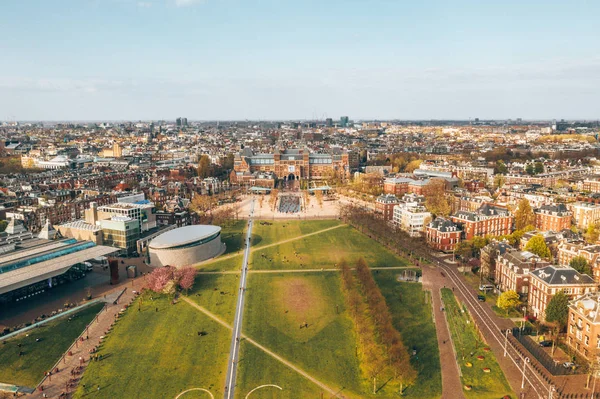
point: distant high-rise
(329, 122)
(178, 122)
(344, 121)
(184, 121)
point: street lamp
(525, 361)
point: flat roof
(183, 235)
(50, 268)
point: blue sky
(279, 59)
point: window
(586, 340)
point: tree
(3, 224)
(204, 166)
(435, 197)
(537, 245)
(538, 168)
(159, 278)
(499, 181)
(412, 165)
(185, 277)
(500, 167)
(508, 300)
(524, 216)
(228, 162)
(581, 264)
(530, 169)
(592, 233)
(557, 309)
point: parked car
(481, 298)
(486, 287)
(546, 343)
(569, 365)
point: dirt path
(290, 365)
(451, 383)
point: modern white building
(412, 218)
(186, 246)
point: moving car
(546, 343)
(569, 365)
(481, 298)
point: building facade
(487, 220)
(385, 206)
(583, 326)
(442, 235)
(513, 268)
(548, 281)
(555, 217)
(294, 164)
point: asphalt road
(239, 312)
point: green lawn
(413, 318)
(325, 250)
(55, 338)
(217, 293)
(222, 264)
(267, 232)
(152, 354)
(276, 307)
(256, 368)
(469, 346)
(233, 236)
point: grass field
(39, 357)
(153, 354)
(268, 232)
(413, 318)
(468, 345)
(257, 368)
(221, 264)
(277, 305)
(217, 293)
(325, 250)
(233, 236)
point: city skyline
(226, 60)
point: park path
(451, 383)
(323, 386)
(56, 384)
(258, 248)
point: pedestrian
(98, 387)
(157, 309)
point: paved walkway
(451, 383)
(263, 271)
(57, 382)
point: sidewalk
(57, 383)
(451, 383)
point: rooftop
(183, 235)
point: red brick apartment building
(554, 217)
(487, 220)
(385, 204)
(443, 235)
(513, 268)
(549, 280)
(397, 186)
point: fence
(553, 366)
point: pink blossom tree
(158, 279)
(185, 277)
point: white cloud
(186, 3)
